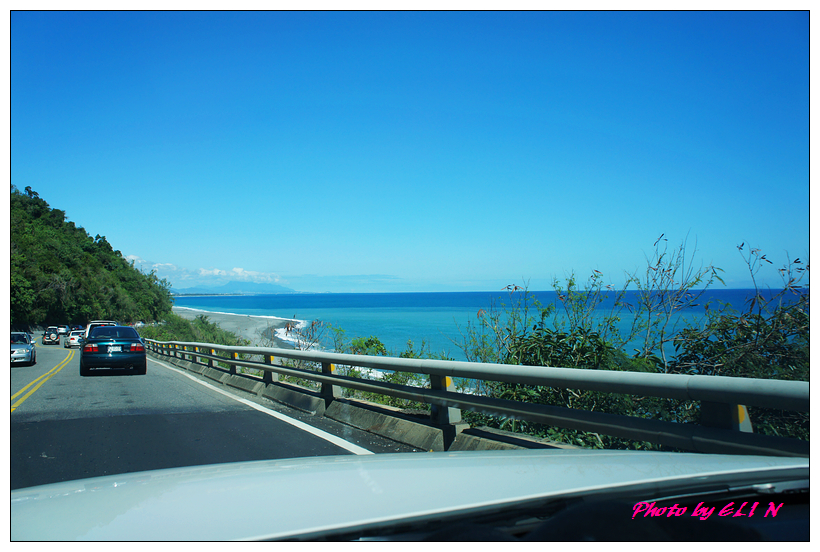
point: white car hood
(308, 497)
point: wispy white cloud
(241, 275)
(212, 276)
(254, 276)
(211, 272)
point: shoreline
(264, 331)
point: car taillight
(137, 347)
(91, 349)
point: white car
(96, 323)
(74, 339)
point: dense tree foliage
(60, 274)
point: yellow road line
(42, 379)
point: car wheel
(141, 370)
(84, 371)
(33, 359)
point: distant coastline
(214, 294)
(234, 288)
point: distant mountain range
(234, 288)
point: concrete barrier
(214, 374)
(387, 423)
(245, 383)
(293, 397)
(486, 438)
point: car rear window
(115, 332)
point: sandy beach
(259, 330)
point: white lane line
(339, 442)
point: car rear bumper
(116, 361)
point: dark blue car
(113, 347)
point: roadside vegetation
(766, 338)
(200, 329)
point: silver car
(74, 339)
(22, 349)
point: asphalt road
(66, 427)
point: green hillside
(61, 275)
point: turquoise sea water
(396, 318)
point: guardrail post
(443, 415)
(447, 418)
(232, 367)
(725, 416)
(329, 391)
(267, 376)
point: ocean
(438, 319)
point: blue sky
(417, 151)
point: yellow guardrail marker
(42, 379)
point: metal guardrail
(722, 399)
